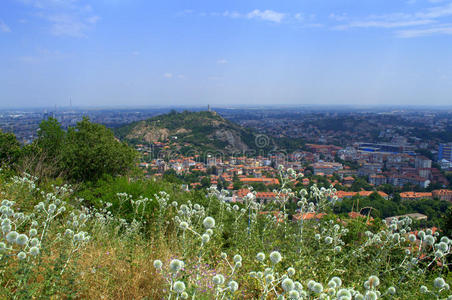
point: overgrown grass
(149, 240)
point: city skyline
(235, 53)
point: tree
(10, 151)
(91, 150)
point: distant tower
(208, 107)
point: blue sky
(235, 52)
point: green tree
(10, 150)
(91, 150)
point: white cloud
(412, 33)
(168, 75)
(4, 27)
(222, 61)
(65, 17)
(266, 15)
(384, 24)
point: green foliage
(10, 151)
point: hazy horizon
(120, 53)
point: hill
(187, 131)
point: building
(415, 196)
(422, 162)
(326, 168)
(445, 152)
(377, 179)
(414, 216)
(445, 195)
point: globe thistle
(391, 290)
(337, 249)
(293, 295)
(183, 225)
(179, 287)
(158, 264)
(236, 207)
(34, 251)
(33, 232)
(175, 265)
(439, 283)
(423, 289)
(429, 240)
(209, 232)
(260, 256)
(269, 278)
(317, 288)
(12, 236)
(374, 281)
(298, 286)
(359, 296)
(445, 239)
(218, 279)
(34, 242)
(371, 295)
(412, 237)
(22, 255)
(6, 228)
(421, 234)
(209, 222)
(311, 284)
(184, 295)
(332, 284)
(291, 271)
(287, 284)
(52, 208)
(237, 258)
(317, 236)
(223, 255)
(205, 238)
(275, 257)
(407, 251)
(22, 240)
(344, 294)
(2, 246)
(439, 254)
(233, 286)
(443, 246)
(328, 240)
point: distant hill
(188, 131)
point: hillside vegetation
(112, 234)
(192, 131)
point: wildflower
(269, 278)
(209, 222)
(223, 255)
(237, 258)
(179, 287)
(2, 246)
(260, 256)
(34, 242)
(317, 288)
(344, 294)
(374, 281)
(412, 238)
(287, 284)
(34, 251)
(429, 240)
(158, 264)
(391, 290)
(183, 225)
(439, 283)
(328, 240)
(22, 255)
(294, 294)
(371, 295)
(421, 234)
(218, 279)
(275, 257)
(291, 271)
(443, 246)
(337, 280)
(184, 295)
(233, 286)
(11, 237)
(33, 232)
(423, 289)
(317, 236)
(209, 231)
(176, 265)
(205, 238)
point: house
(415, 195)
(445, 195)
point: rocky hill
(194, 131)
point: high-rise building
(445, 152)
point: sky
(225, 53)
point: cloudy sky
(144, 52)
